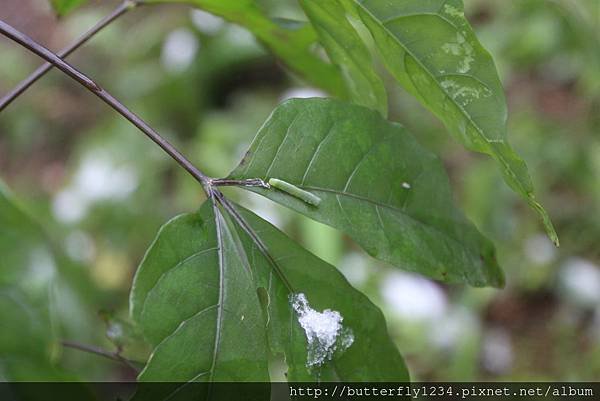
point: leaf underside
(347, 50)
(196, 299)
(430, 48)
(376, 183)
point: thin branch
(251, 182)
(114, 356)
(30, 44)
(121, 9)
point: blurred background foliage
(92, 192)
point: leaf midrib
(390, 207)
(220, 308)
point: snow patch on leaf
(464, 95)
(324, 331)
(462, 48)
(453, 11)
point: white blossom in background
(179, 50)
(68, 206)
(239, 36)
(580, 281)
(539, 249)
(41, 268)
(98, 178)
(412, 297)
(80, 246)
(301, 93)
(354, 267)
(206, 22)
(324, 331)
(456, 325)
(497, 353)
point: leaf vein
(285, 137)
(317, 150)
(173, 267)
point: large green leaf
(25, 340)
(376, 183)
(347, 50)
(430, 48)
(19, 234)
(195, 301)
(28, 273)
(244, 266)
(289, 274)
(24, 337)
(23, 238)
(291, 44)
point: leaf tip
(548, 226)
(552, 234)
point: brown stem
(43, 69)
(115, 356)
(93, 87)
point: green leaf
(194, 300)
(375, 182)
(347, 50)
(430, 48)
(63, 7)
(180, 277)
(292, 45)
(286, 270)
(17, 231)
(37, 282)
(26, 338)
(23, 238)
(25, 343)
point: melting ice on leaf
(324, 331)
(213, 300)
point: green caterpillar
(293, 190)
